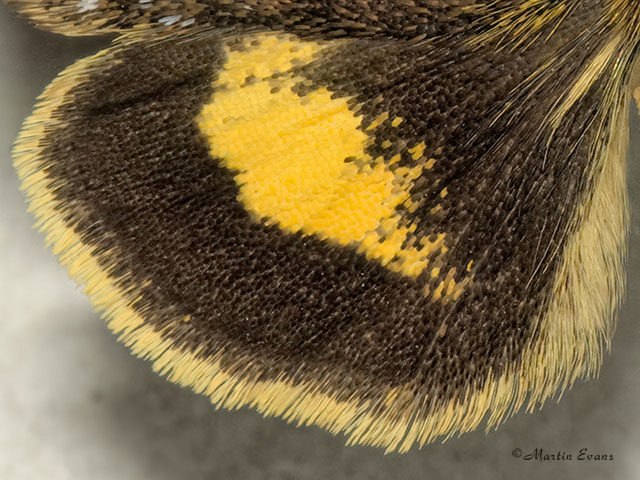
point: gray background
(74, 404)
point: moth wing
(337, 18)
(358, 234)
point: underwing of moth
(394, 219)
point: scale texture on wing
(394, 235)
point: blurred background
(74, 404)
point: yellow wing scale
(301, 160)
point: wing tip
(52, 18)
(97, 17)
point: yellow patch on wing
(300, 160)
